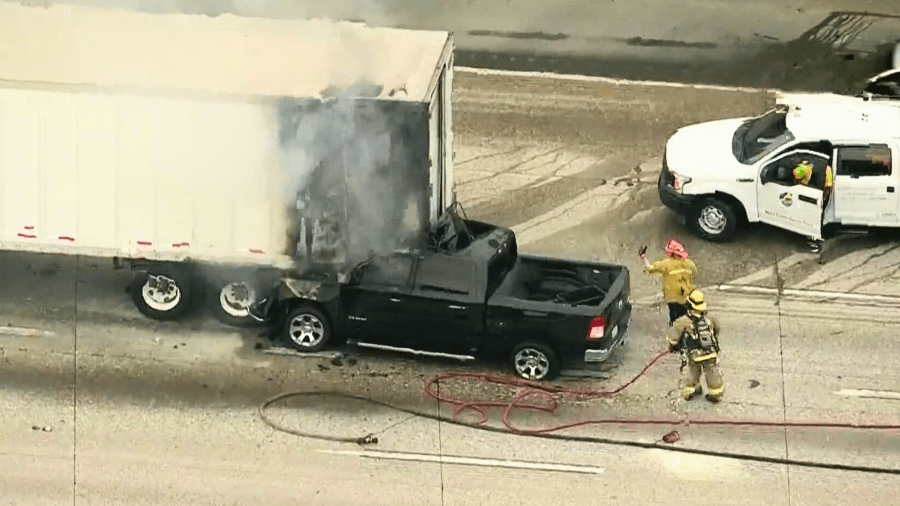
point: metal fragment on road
(293, 353)
(469, 461)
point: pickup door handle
(534, 313)
(458, 308)
(811, 200)
(395, 299)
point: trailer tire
(307, 328)
(163, 293)
(224, 301)
(535, 360)
(714, 220)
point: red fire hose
(549, 398)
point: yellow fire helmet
(697, 301)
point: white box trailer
(154, 139)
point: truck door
(788, 205)
(376, 299)
(448, 310)
(865, 185)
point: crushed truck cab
(721, 174)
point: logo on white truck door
(787, 200)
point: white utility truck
(159, 140)
(720, 174)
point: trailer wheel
(229, 300)
(163, 293)
(307, 328)
(535, 361)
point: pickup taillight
(597, 327)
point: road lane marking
(870, 394)
(25, 332)
(783, 265)
(890, 299)
(468, 461)
(607, 80)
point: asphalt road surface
(798, 44)
(141, 413)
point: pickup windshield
(760, 136)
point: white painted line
(811, 293)
(469, 461)
(873, 394)
(25, 332)
(607, 80)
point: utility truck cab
(721, 174)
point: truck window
(760, 136)
(388, 271)
(861, 161)
(445, 274)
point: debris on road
(45, 429)
(671, 437)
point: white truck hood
(703, 151)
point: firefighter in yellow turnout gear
(696, 336)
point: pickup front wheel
(307, 329)
(534, 361)
(714, 220)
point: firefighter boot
(714, 382)
(689, 392)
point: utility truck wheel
(228, 301)
(714, 220)
(307, 329)
(535, 361)
(163, 293)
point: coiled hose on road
(552, 399)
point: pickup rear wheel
(533, 360)
(714, 220)
(307, 329)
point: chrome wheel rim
(532, 364)
(712, 220)
(306, 330)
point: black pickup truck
(476, 298)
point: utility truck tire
(714, 220)
(307, 328)
(163, 293)
(534, 361)
(228, 300)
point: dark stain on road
(639, 41)
(518, 35)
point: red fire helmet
(676, 249)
